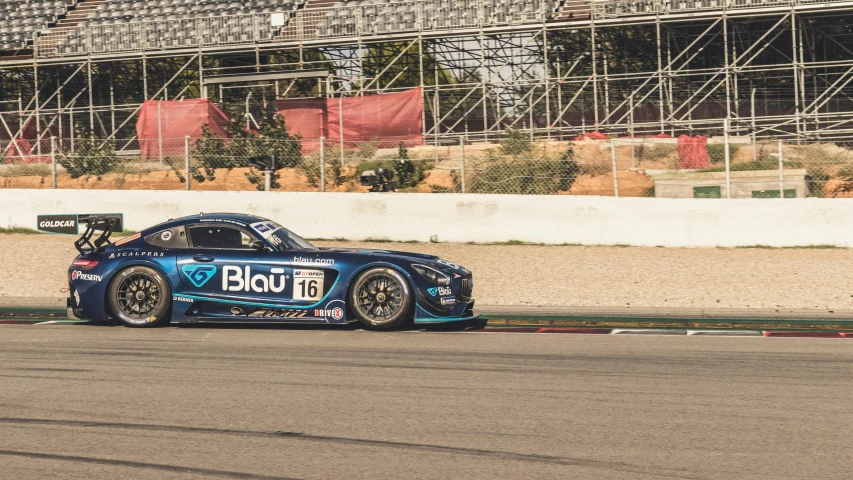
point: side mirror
(258, 245)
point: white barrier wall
(474, 218)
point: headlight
(432, 274)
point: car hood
(381, 253)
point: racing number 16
(307, 284)
(310, 286)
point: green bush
(407, 173)
(211, 151)
(91, 157)
(519, 176)
(717, 151)
(27, 170)
(569, 169)
(657, 151)
(516, 143)
(816, 181)
(845, 178)
(527, 176)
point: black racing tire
(140, 297)
(380, 298)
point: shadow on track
(466, 326)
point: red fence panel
(174, 119)
(391, 116)
(693, 152)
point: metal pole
(267, 179)
(483, 73)
(660, 73)
(248, 121)
(187, 159)
(91, 98)
(59, 107)
(752, 114)
(37, 90)
(631, 123)
(530, 118)
(547, 71)
(53, 159)
(112, 106)
(728, 160)
(341, 124)
(781, 173)
(558, 120)
(592, 47)
(421, 78)
(73, 127)
(462, 149)
(615, 176)
(159, 133)
(795, 72)
(727, 70)
(322, 164)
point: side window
(170, 238)
(213, 236)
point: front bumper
(466, 314)
(71, 311)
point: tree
(568, 169)
(271, 139)
(276, 141)
(408, 173)
(516, 143)
(91, 157)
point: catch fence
(719, 167)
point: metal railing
(346, 21)
(602, 9)
(145, 35)
(720, 167)
(309, 24)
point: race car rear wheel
(140, 297)
(381, 299)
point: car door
(221, 266)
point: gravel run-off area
(36, 266)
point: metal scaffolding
(781, 71)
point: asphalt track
(79, 401)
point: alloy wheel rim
(379, 297)
(138, 295)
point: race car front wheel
(140, 297)
(381, 299)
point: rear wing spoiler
(106, 223)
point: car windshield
(284, 239)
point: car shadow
(470, 325)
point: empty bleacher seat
(19, 19)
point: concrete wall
(474, 218)
(680, 184)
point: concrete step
(319, 4)
(79, 13)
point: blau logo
(199, 274)
(432, 291)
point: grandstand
(558, 68)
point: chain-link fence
(694, 167)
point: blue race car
(241, 268)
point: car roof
(209, 217)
